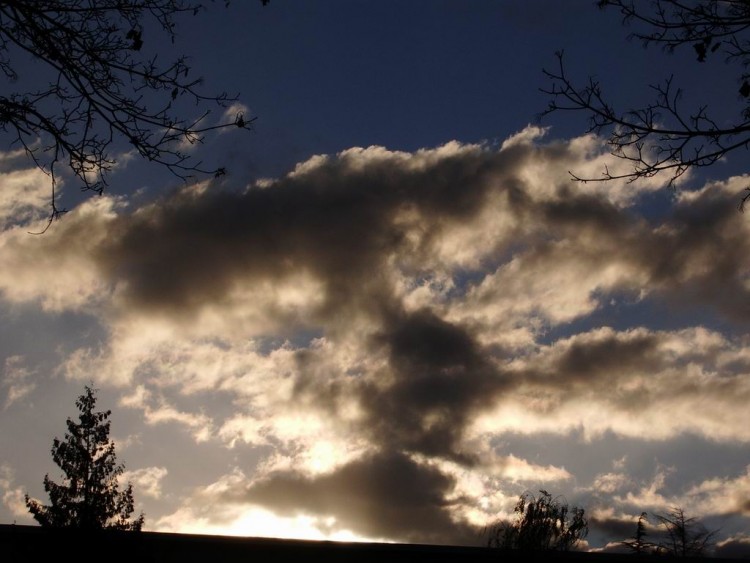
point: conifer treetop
(88, 496)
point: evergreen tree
(89, 496)
(638, 543)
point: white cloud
(16, 380)
(232, 112)
(637, 383)
(584, 157)
(127, 441)
(556, 284)
(12, 496)
(59, 271)
(649, 496)
(156, 410)
(609, 483)
(516, 469)
(526, 136)
(147, 480)
(721, 495)
(25, 194)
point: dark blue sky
(321, 77)
(397, 312)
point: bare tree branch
(684, 536)
(662, 136)
(102, 87)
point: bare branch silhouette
(101, 85)
(663, 136)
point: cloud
(585, 156)
(15, 379)
(156, 410)
(649, 495)
(618, 500)
(147, 481)
(721, 495)
(376, 320)
(380, 495)
(734, 547)
(25, 192)
(206, 511)
(24, 196)
(12, 497)
(638, 383)
(517, 469)
(618, 525)
(300, 251)
(438, 379)
(59, 272)
(609, 483)
(232, 112)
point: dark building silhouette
(30, 543)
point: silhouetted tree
(103, 82)
(685, 537)
(638, 543)
(89, 496)
(662, 136)
(541, 523)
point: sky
(397, 312)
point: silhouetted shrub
(541, 523)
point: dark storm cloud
(698, 255)
(334, 220)
(383, 495)
(602, 359)
(337, 219)
(440, 378)
(583, 212)
(436, 379)
(346, 220)
(586, 360)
